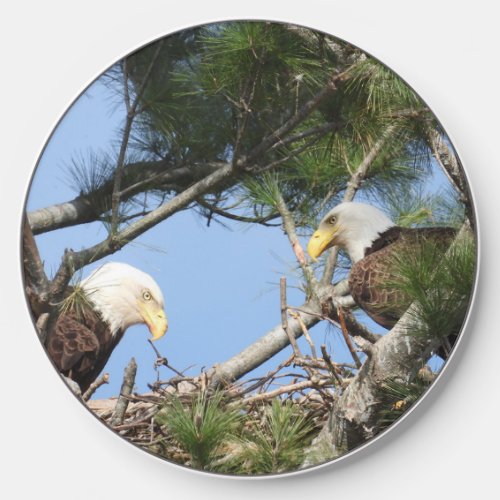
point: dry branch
(126, 390)
(284, 319)
(103, 379)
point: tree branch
(450, 164)
(73, 261)
(302, 113)
(137, 177)
(397, 356)
(126, 390)
(129, 120)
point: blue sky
(220, 286)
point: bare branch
(286, 388)
(103, 379)
(126, 390)
(76, 260)
(289, 226)
(284, 319)
(131, 115)
(305, 332)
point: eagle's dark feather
(370, 277)
(80, 344)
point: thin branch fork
(284, 319)
(103, 379)
(304, 111)
(305, 332)
(314, 382)
(291, 232)
(131, 114)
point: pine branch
(301, 114)
(132, 108)
(73, 261)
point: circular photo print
(249, 248)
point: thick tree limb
(263, 349)
(137, 177)
(397, 356)
(34, 272)
(73, 261)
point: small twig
(103, 379)
(126, 390)
(284, 319)
(305, 331)
(347, 338)
(350, 321)
(314, 382)
(291, 232)
(331, 367)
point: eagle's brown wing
(70, 341)
(80, 345)
(370, 278)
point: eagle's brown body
(93, 317)
(80, 345)
(370, 278)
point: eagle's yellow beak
(320, 241)
(155, 318)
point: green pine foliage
(276, 442)
(439, 280)
(396, 398)
(216, 91)
(225, 437)
(201, 427)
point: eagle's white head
(125, 296)
(352, 227)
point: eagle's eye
(332, 219)
(146, 295)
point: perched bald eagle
(95, 315)
(371, 240)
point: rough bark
(126, 390)
(451, 166)
(397, 356)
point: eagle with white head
(114, 297)
(371, 240)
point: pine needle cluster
(439, 280)
(225, 437)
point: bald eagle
(95, 314)
(371, 240)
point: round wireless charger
(249, 248)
